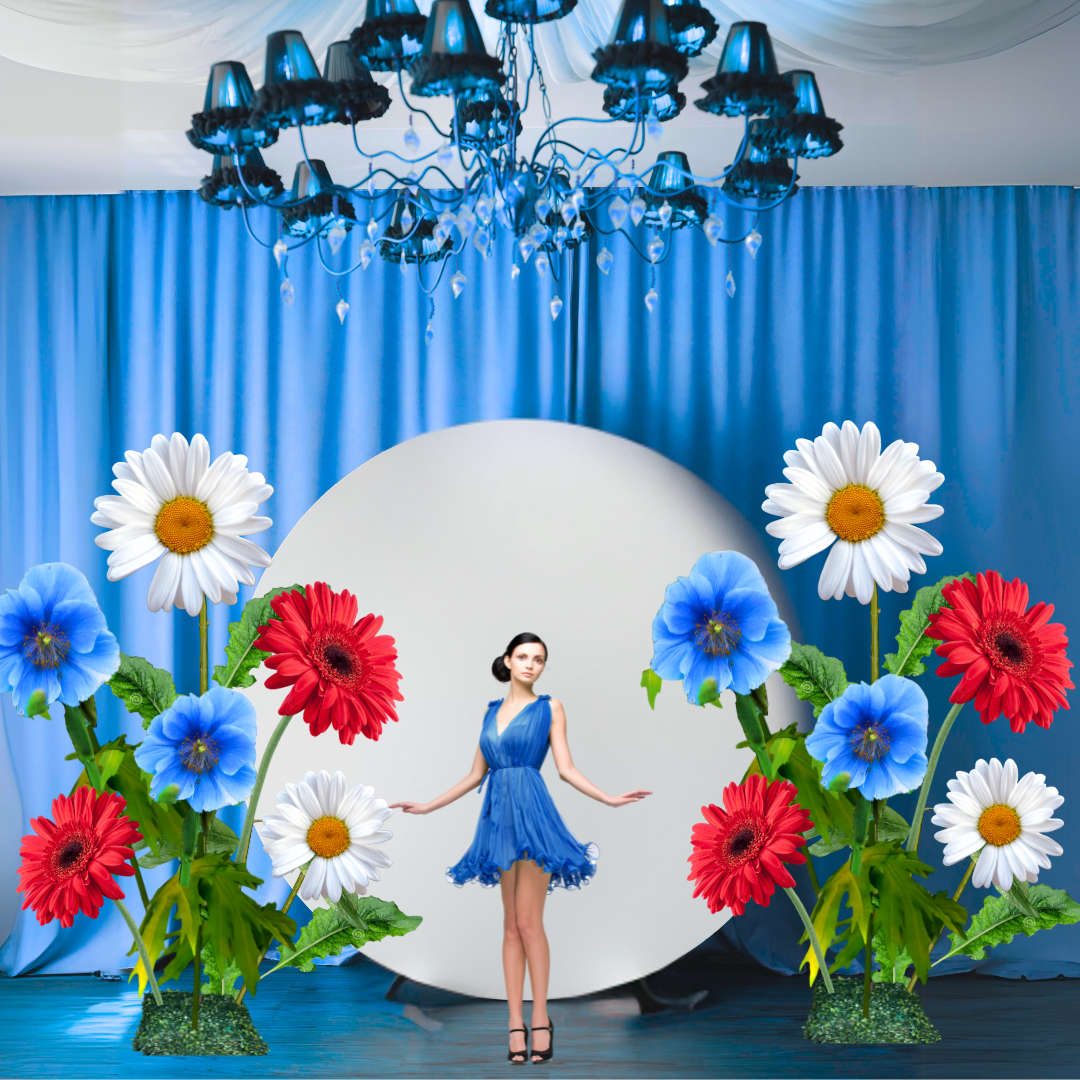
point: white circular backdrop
(461, 539)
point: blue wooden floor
(337, 1022)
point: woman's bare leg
(529, 897)
(513, 954)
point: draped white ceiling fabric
(177, 40)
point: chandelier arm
(258, 200)
(251, 233)
(416, 109)
(761, 209)
(443, 264)
(335, 273)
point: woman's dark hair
(499, 668)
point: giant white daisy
(318, 820)
(177, 506)
(845, 492)
(989, 809)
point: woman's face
(526, 663)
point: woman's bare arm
(473, 780)
(560, 751)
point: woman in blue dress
(521, 843)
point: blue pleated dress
(518, 819)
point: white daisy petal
(834, 573)
(812, 538)
(830, 463)
(161, 481)
(141, 498)
(198, 461)
(116, 511)
(208, 583)
(809, 483)
(986, 868)
(849, 450)
(869, 451)
(793, 500)
(249, 525)
(790, 526)
(166, 579)
(212, 477)
(908, 536)
(134, 556)
(190, 596)
(861, 578)
(115, 539)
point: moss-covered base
(224, 1027)
(895, 1015)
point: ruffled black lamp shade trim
(482, 114)
(419, 248)
(620, 104)
(734, 93)
(682, 19)
(217, 130)
(374, 38)
(554, 222)
(629, 64)
(687, 208)
(501, 11)
(223, 188)
(808, 135)
(298, 101)
(455, 73)
(317, 214)
(360, 99)
(760, 179)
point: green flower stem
(147, 966)
(868, 970)
(811, 933)
(811, 871)
(260, 779)
(288, 904)
(874, 636)
(204, 660)
(197, 992)
(912, 843)
(956, 896)
(143, 894)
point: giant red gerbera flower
(68, 865)
(1012, 659)
(739, 854)
(340, 671)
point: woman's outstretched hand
(410, 807)
(628, 797)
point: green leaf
(652, 683)
(143, 688)
(912, 642)
(76, 729)
(835, 841)
(855, 889)
(1018, 894)
(221, 840)
(240, 652)
(155, 929)
(893, 968)
(813, 676)
(891, 826)
(37, 704)
(331, 929)
(219, 982)
(999, 921)
(109, 762)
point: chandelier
(552, 200)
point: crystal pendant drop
(651, 299)
(429, 334)
(542, 265)
(538, 232)
(481, 242)
(342, 310)
(729, 283)
(654, 128)
(577, 199)
(604, 260)
(404, 264)
(617, 211)
(412, 140)
(542, 207)
(567, 212)
(370, 185)
(753, 242)
(335, 238)
(637, 209)
(457, 283)
(466, 222)
(280, 248)
(483, 210)
(412, 178)
(515, 272)
(664, 214)
(526, 245)
(560, 238)
(367, 253)
(446, 154)
(372, 229)
(578, 229)
(406, 221)
(444, 227)
(655, 248)
(713, 228)
(288, 293)
(556, 307)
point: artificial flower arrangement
(138, 806)
(808, 796)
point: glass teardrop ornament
(446, 155)
(406, 221)
(713, 228)
(481, 242)
(288, 293)
(484, 209)
(654, 128)
(651, 299)
(604, 260)
(457, 283)
(637, 209)
(578, 229)
(280, 249)
(654, 248)
(567, 213)
(526, 245)
(542, 265)
(342, 309)
(617, 211)
(412, 140)
(335, 238)
(429, 334)
(367, 253)
(729, 283)
(515, 272)
(664, 214)
(372, 229)
(466, 222)
(555, 306)
(542, 207)
(753, 242)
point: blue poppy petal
(57, 582)
(751, 611)
(682, 608)
(80, 623)
(31, 678)
(20, 614)
(209, 793)
(238, 786)
(11, 658)
(672, 661)
(730, 570)
(85, 672)
(704, 667)
(181, 719)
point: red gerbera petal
(68, 865)
(1011, 659)
(342, 674)
(739, 851)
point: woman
(521, 842)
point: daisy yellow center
(855, 513)
(328, 837)
(870, 742)
(199, 753)
(184, 525)
(47, 647)
(717, 635)
(999, 825)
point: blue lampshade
(529, 11)
(315, 205)
(748, 50)
(294, 92)
(691, 27)
(223, 186)
(757, 176)
(224, 123)
(804, 132)
(640, 54)
(807, 95)
(453, 59)
(358, 96)
(417, 243)
(390, 36)
(747, 82)
(288, 58)
(667, 184)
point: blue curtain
(950, 317)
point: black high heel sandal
(549, 1053)
(519, 1057)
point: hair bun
(500, 670)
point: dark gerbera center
(742, 842)
(72, 850)
(338, 655)
(46, 647)
(1009, 645)
(870, 741)
(199, 753)
(717, 634)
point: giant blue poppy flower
(877, 734)
(719, 623)
(53, 638)
(206, 746)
